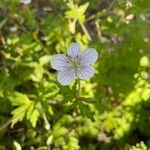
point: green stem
(78, 88)
(4, 125)
(47, 125)
(88, 100)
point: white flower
(26, 2)
(76, 64)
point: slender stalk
(88, 100)
(47, 125)
(98, 29)
(4, 125)
(85, 31)
(84, 99)
(78, 87)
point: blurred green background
(37, 113)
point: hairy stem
(84, 99)
(85, 31)
(78, 87)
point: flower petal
(66, 77)
(59, 62)
(74, 50)
(85, 72)
(88, 56)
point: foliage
(139, 146)
(37, 113)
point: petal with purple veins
(66, 77)
(74, 50)
(85, 72)
(59, 62)
(88, 56)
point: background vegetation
(37, 113)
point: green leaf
(19, 99)
(34, 117)
(144, 62)
(18, 114)
(85, 110)
(59, 131)
(2, 23)
(17, 146)
(44, 60)
(26, 107)
(77, 12)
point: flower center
(74, 62)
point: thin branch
(87, 100)
(4, 125)
(85, 31)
